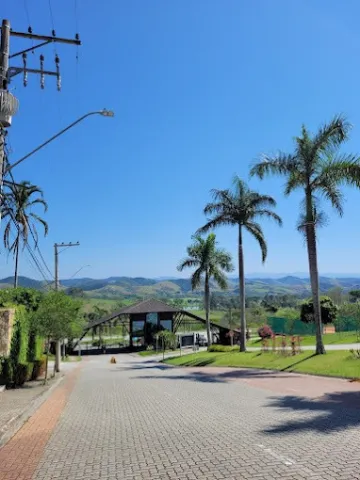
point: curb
(14, 425)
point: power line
(32, 254)
(31, 230)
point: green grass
(335, 363)
(340, 338)
(149, 353)
(215, 316)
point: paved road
(141, 420)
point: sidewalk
(17, 405)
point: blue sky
(200, 89)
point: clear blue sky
(200, 89)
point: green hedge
(25, 361)
(223, 348)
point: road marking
(285, 461)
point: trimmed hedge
(25, 361)
(223, 348)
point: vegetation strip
(336, 363)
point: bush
(265, 332)
(222, 348)
(328, 311)
(39, 368)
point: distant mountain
(115, 287)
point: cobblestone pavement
(140, 420)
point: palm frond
(331, 135)
(255, 230)
(218, 221)
(42, 221)
(320, 219)
(280, 164)
(220, 279)
(39, 201)
(264, 212)
(187, 263)
(196, 278)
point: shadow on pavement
(212, 377)
(337, 411)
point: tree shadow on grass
(336, 411)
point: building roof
(149, 306)
(145, 306)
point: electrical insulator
(42, 76)
(58, 76)
(53, 33)
(25, 80)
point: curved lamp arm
(104, 113)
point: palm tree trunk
(242, 294)
(314, 274)
(16, 266)
(207, 309)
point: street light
(104, 113)
(78, 271)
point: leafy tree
(256, 315)
(58, 317)
(210, 262)
(328, 311)
(318, 169)
(242, 208)
(75, 292)
(19, 209)
(28, 297)
(167, 340)
(349, 311)
(354, 296)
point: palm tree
(210, 263)
(318, 169)
(241, 207)
(17, 208)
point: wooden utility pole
(57, 287)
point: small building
(145, 318)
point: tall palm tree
(18, 205)
(241, 207)
(318, 169)
(210, 262)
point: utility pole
(9, 103)
(57, 287)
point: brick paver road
(140, 420)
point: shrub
(222, 348)
(328, 311)
(39, 368)
(265, 332)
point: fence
(297, 327)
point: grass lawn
(334, 363)
(328, 339)
(149, 353)
(215, 316)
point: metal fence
(297, 327)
